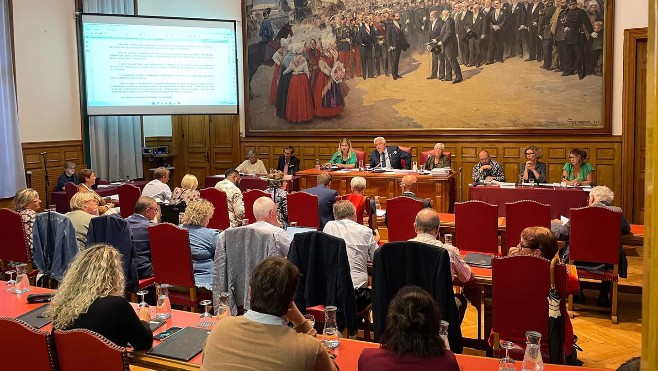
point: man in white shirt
(360, 244)
(233, 196)
(158, 187)
(252, 165)
(266, 219)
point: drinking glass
(180, 218)
(223, 309)
(520, 180)
(245, 221)
(414, 166)
(207, 320)
(163, 307)
(142, 303)
(506, 363)
(330, 333)
(311, 319)
(12, 282)
(448, 239)
(22, 282)
(361, 165)
(52, 207)
(444, 326)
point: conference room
(346, 117)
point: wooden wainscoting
(57, 154)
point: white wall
(46, 70)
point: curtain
(115, 141)
(12, 171)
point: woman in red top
(411, 340)
(357, 197)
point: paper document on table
(505, 184)
(101, 186)
(114, 197)
(564, 219)
(380, 212)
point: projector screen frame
(142, 110)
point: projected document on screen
(149, 65)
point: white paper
(380, 212)
(564, 219)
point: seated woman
(277, 188)
(357, 197)
(410, 342)
(577, 172)
(187, 191)
(538, 241)
(87, 179)
(438, 159)
(533, 169)
(27, 203)
(84, 207)
(252, 165)
(92, 296)
(345, 157)
(203, 241)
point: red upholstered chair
(371, 213)
(84, 349)
(143, 284)
(14, 244)
(476, 227)
(425, 154)
(172, 263)
(341, 198)
(408, 150)
(594, 237)
(128, 196)
(521, 285)
(400, 216)
(303, 209)
(249, 198)
(522, 214)
(360, 156)
(217, 198)
(22, 347)
(252, 182)
(70, 188)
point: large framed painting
(322, 67)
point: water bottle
(532, 360)
(317, 164)
(163, 309)
(330, 333)
(563, 183)
(448, 241)
(443, 332)
(22, 282)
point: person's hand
(485, 167)
(567, 29)
(489, 178)
(595, 35)
(294, 315)
(109, 205)
(529, 165)
(144, 314)
(482, 37)
(328, 164)
(440, 43)
(576, 182)
(514, 251)
(435, 41)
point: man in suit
(484, 43)
(546, 15)
(534, 44)
(146, 210)
(288, 163)
(396, 41)
(460, 30)
(475, 25)
(576, 19)
(388, 156)
(448, 40)
(366, 43)
(407, 185)
(326, 198)
(497, 21)
(435, 28)
(517, 34)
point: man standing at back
(146, 210)
(233, 196)
(326, 198)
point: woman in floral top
(277, 188)
(187, 191)
(26, 203)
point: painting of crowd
(331, 42)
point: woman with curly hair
(203, 241)
(277, 188)
(91, 296)
(411, 340)
(577, 171)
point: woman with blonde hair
(84, 207)
(92, 296)
(187, 192)
(203, 241)
(26, 204)
(345, 157)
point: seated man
(388, 157)
(361, 246)
(326, 198)
(252, 165)
(266, 219)
(288, 163)
(487, 169)
(158, 187)
(233, 196)
(146, 211)
(407, 184)
(68, 176)
(265, 328)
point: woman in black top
(91, 296)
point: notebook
(35, 317)
(183, 345)
(478, 260)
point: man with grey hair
(361, 246)
(388, 156)
(326, 198)
(146, 212)
(266, 219)
(252, 165)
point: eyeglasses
(529, 153)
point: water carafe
(443, 332)
(22, 282)
(330, 334)
(223, 309)
(163, 309)
(532, 359)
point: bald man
(407, 184)
(266, 219)
(487, 169)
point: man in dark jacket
(326, 198)
(576, 19)
(288, 163)
(146, 210)
(448, 40)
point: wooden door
(195, 147)
(640, 133)
(224, 143)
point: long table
(248, 182)
(61, 202)
(439, 189)
(560, 199)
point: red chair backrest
(400, 215)
(249, 198)
(521, 285)
(252, 182)
(128, 196)
(522, 214)
(595, 234)
(476, 226)
(360, 156)
(303, 209)
(217, 198)
(171, 255)
(425, 154)
(22, 347)
(70, 188)
(341, 198)
(83, 349)
(14, 244)
(403, 161)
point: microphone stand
(46, 178)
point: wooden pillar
(650, 288)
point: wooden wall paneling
(224, 140)
(6, 203)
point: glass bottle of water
(223, 308)
(448, 241)
(443, 332)
(22, 282)
(163, 308)
(563, 182)
(532, 360)
(330, 333)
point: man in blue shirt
(266, 31)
